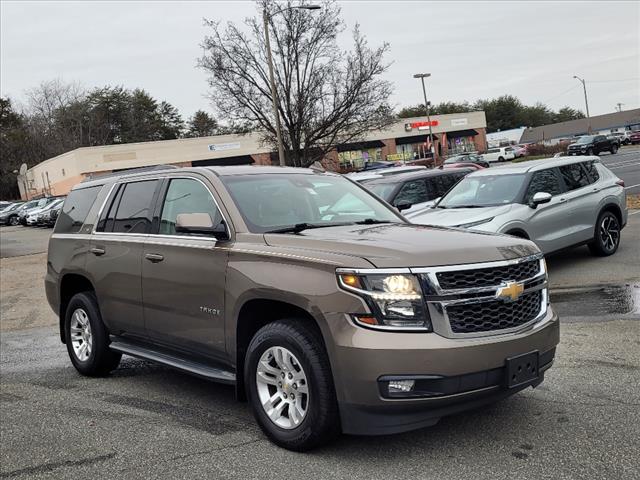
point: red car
(475, 166)
(634, 137)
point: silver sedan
(557, 203)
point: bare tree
(327, 96)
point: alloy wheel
(81, 337)
(282, 387)
(609, 232)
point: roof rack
(119, 173)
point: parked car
(14, 217)
(32, 207)
(9, 215)
(593, 145)
(500, 154)
(519, 151)
(325, 308)
(414, 191)
(49, 218)
(467, 158)
(365, 176)
(634, 137)
(557, 203)
(37, 217)
(622, 137)
(473, 166)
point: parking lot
(148, 421)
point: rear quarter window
(75, 209)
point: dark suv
(593, 145)
(325, 308)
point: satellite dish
(23, 169)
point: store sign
(459, 122)
(220, 147)
(420, 125)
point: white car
(32, 217)
(500, 154)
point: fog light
(401, 386)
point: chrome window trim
(158, 178)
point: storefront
(461, 141)
(414, 148)
(355, 155)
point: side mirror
(540, 198)
(200, 223)
(403, 206)
(435, 202)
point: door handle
(97, 251)
(154, 257)
(562, 200)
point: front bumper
(472, 368)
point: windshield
(587, 139)
(278, 201)
(383, 190)
(484, 191)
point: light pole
(422, 76)
(274, 94)
(586, 102)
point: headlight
(473, 224)
(395, 300)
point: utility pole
(272, 83)
(619, 105)
(422, 76)
(586, 102)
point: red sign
(420, 125)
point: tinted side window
(592, 170)
(543, 181)
(412, 192)
(574, 176)
(133, 214)
(186, 196)
(75, 209)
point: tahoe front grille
(487, 277)
(494, 314)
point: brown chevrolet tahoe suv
(325, 308)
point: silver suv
(557, 203)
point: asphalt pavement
(626, 165)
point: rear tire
(501, 159)
(606, 238)
(87, 338)
(13, 221)
(589, 151)
(309, 416)
(614, 149)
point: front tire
(501, 159)
(87, 338)
(614, 149)
(589, 151)
(606, 239)
(290, 386)
(13, 221)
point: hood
(452, 217)
(406, 245)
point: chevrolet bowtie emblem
(510, 292)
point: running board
(194, 368)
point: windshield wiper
(299, 227)
(467, 206)
(371, 221)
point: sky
(472, 49)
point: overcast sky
(472, 49)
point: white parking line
(632, 186)
(635, 213)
